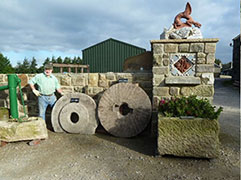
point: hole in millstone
(74, 117)
(124, 109)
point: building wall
(236, 59)
(92, 84)
(109, 55)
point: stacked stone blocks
(167, 85)
(184, 67)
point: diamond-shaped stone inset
(183, 64)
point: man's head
(48, 68)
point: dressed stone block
(196, 137)
(33, 128)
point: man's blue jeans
(43, 102)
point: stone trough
(195, 137)
(31, 129)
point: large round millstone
(124, 110)
(74, 113)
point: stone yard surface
(104, 157)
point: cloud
(70, 26)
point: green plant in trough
(188, 106)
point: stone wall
(92, 84)
(183, 67)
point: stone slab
(199, 90)
(188, 137)
(34, 128)
(160, 70)
(161, 91)
(213, 40)
(183, 80)
(93, 79)
(171, 48)
(200, 68)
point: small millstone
(85, 110)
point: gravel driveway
(104, 157)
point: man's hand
(36, 92)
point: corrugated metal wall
(109, 55)
(236, 58)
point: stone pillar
(182, 67)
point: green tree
(53, 60)
(74, 61)
(79, 60)
(24, 67)
(5, 65)
(218, 61)
(67, 60)
(40, 69)
(47, 60)
(59, 60)
(33, 66)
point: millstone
(74, 117)
(74, 113)
(124, 110)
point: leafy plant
(189, 106)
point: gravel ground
(104, 157)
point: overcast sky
(47, 28)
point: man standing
(47, 84)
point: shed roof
(111, 39)
(238, 36)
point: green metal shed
(109, 55)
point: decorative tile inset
(182, 64)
